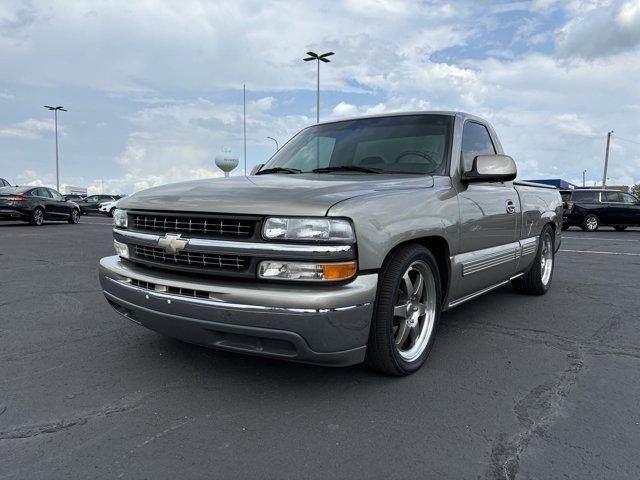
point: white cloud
(31, 128)
(609, 28)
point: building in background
(556, 182)
(69, 190)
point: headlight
(121, 249)
(305, 271)
(120, 218)
(319, 229)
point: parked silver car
(345, 247)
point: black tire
(74, 217)
(37, 217)
(590, 223)
(382, 353)
(534, 282)
(564, 227)
(113, 209)
(620, 229)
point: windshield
(416, 144)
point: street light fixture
(277, 147)
(55, 115)
(318, 58)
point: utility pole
(583, 178)
(244, 125)
(55, 116)
(318, 58)
(606, 159)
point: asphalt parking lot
(516, 386)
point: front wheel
(590, 223)
(111, 211)
(407, 312)
(74, 217)
(538, 279)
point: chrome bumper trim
(360, 291)
(217, 303)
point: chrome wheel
(591, 223)
(414, 312)
(38, 217)
(546, 259)
(75, 216)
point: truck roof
(463, 115)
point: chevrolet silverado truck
(345, 247)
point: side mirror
(256, 168)
(491, 168)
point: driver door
(489, 220)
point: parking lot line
(606, 239)
(601, 253)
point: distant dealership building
(556, 182)
(564, 185)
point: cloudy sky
(154, 89)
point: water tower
(226, 161)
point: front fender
(383, 220)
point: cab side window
(475, 141)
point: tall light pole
(244, 125)
(277, 147)
(318, 58)
(606, 159)
(583, 178)
(55, 116)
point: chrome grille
(194, 225)
(191, 259)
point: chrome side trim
(278, 250)
(529, 246)
(455, 303)
(217, 303)
(480, 260)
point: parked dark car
(35, 205)
(590, 209)
(4, 183)
(92, 203)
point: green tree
(636, 190)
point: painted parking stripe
(601, 253)
(606, 239)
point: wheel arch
(439, 247)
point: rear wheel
(590, 223)
(74, 217)
(406, 313)
(620, 229)
(538, 279)
(37, 217)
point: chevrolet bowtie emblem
(172, 243)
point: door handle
(511, 207)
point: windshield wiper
(347, 168)
(267, 171)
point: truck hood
(300, 194)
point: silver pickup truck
(345, 247)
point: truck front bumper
(326, 325)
